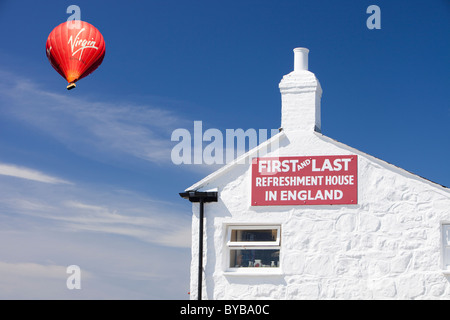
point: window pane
(254, 235)
(253, 258)
(446, 232)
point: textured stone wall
(388, 246)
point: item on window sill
(257, 263)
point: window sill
(256, 272)
(446, 272)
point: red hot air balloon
(75, 49)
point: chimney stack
(301, 59)
(300, 96)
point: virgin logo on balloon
(85, 44)
(75, 51)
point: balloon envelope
(75, 49)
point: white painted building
(313, 218)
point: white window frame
(248, 245)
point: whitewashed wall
(388, 246)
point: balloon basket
(71, 86)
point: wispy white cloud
(157, 226)
(90, 127)
(128, 240)
(29, 269)
(79, 208)
(29, 174)
(21, 279)
(34, 266)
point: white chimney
(301, 59)
(300, 96)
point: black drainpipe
(201, 197)
(200, 250)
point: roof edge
(239, 160)
(381, 161)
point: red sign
(317, 180)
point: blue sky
(86, 176)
